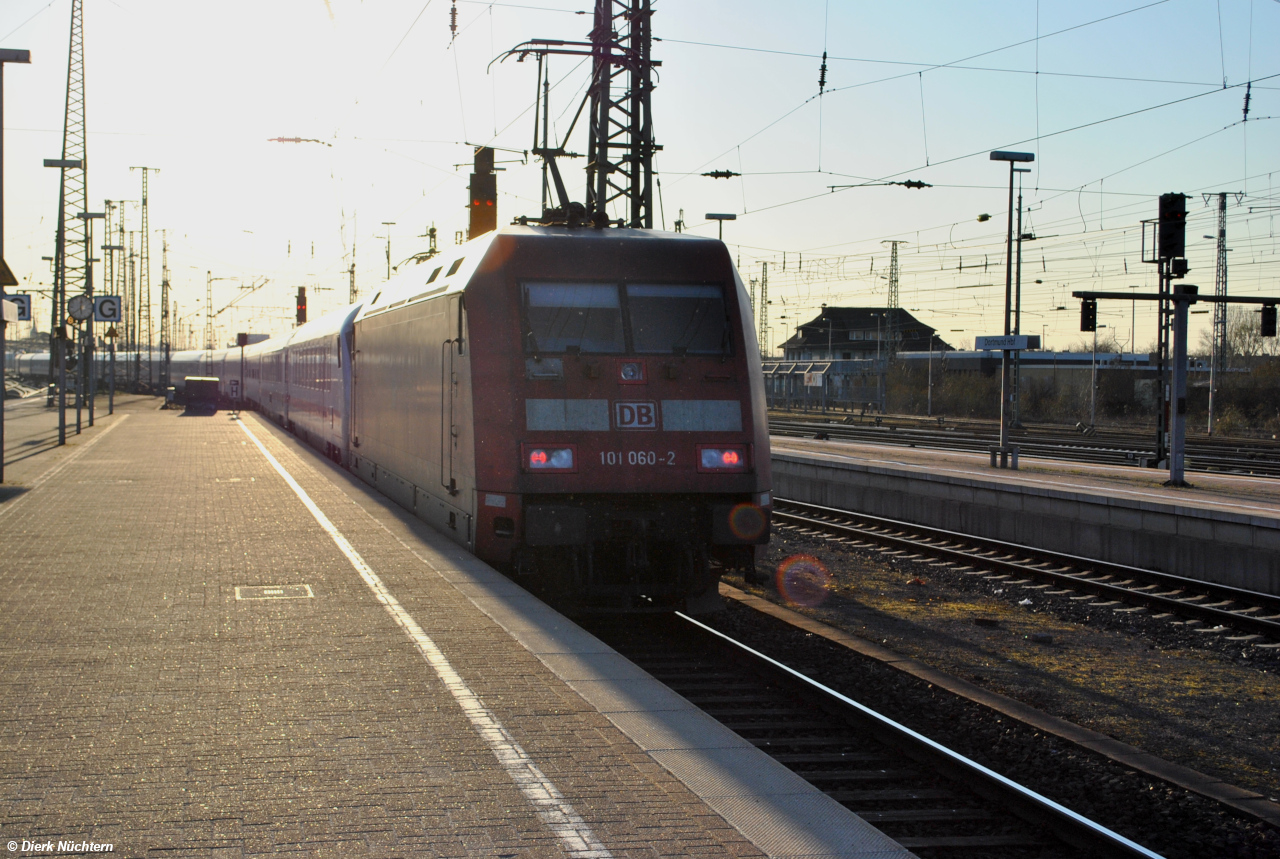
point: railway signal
(1182, 298)
(1089, 314)
(484, 194)
(302, 305)
(1173, 226)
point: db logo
(635, 415)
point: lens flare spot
(803, 580)
(746, 521)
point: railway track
(1106, 447)
(1219, 608)
(930, 799)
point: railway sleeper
(926, 815)
(971, 842)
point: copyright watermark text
(63, 847)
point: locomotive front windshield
(583, 315)
(667, 318)
(657, 319)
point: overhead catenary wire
(1012, 144)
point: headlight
(631, 372)
(549, 458)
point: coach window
(584, 316)
(675, 318)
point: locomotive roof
(450, 271)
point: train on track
(583, 408)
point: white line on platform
(549, 804)
(70, 458)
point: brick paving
(142, 704)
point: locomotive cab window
(676, 318)
(583, 315)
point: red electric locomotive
(581, 406)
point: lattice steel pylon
(145, 326)
(121, 265)
(762, 310)
(166, 323)
(620, 148)
(1217, 363)
(71, 253)
(620, 143)
(891, 305)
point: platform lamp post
(89, 379)
(721, 218)
(6, 276)
(111, 250)
(1013, 158)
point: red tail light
(561, 458)
(722, 457)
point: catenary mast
(620, 143)
(71, 259)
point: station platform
(1223, 528)
(218, 644)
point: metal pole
(1008, 304)
(931, 336)
(80, 382)
(880, 380)
(831, 359)
(1184, 295)
(3, 324)
(1093, 384)
(388, 225)
(111, 396)
(1162, 346)
(14, 57)
(62, 384)
(1015, 392)
(91, 380)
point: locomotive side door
(449, 350)
(287, 387)
(353, 405)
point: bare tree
(1107, 342)
(1244, 333)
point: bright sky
(1119, 101)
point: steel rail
(1204, 455)
(934, 538)
(1073, 828)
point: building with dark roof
(852, 333)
